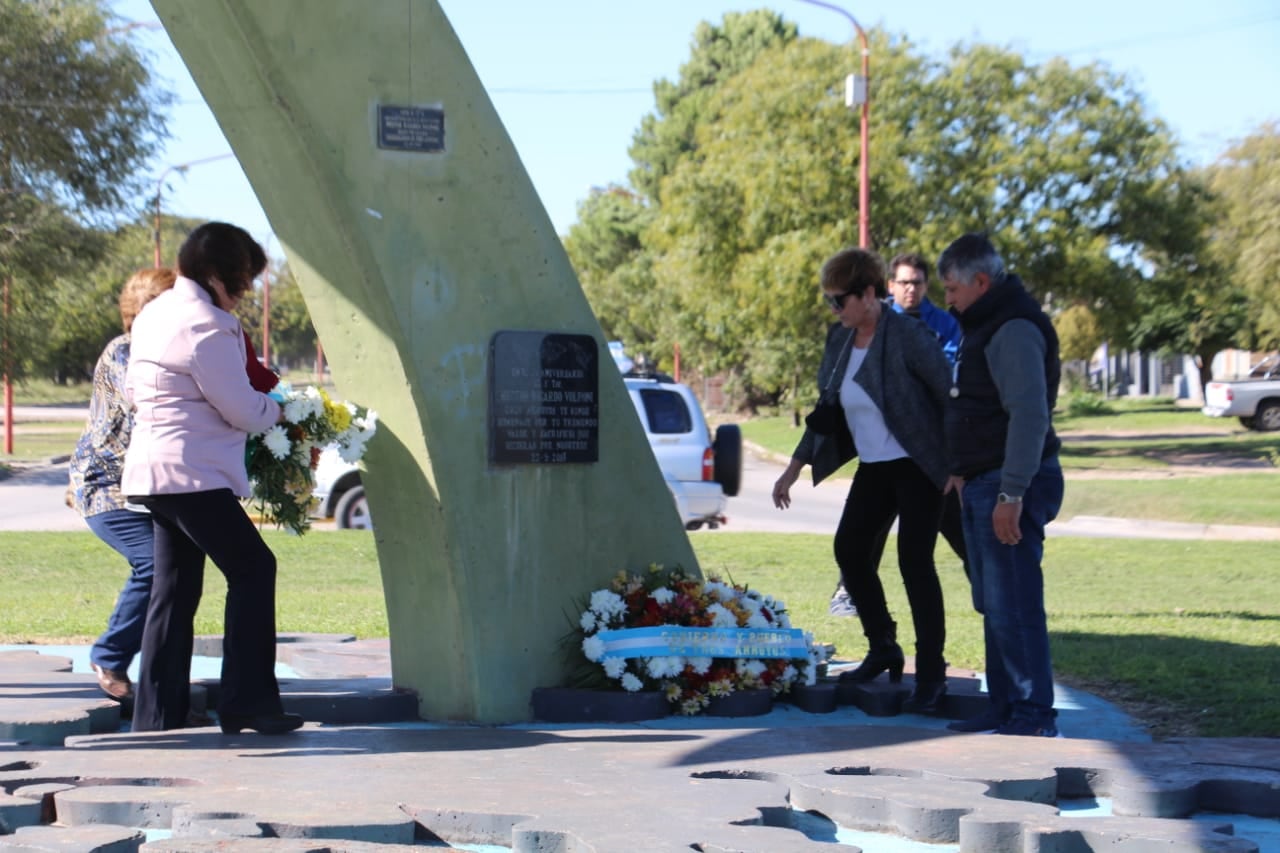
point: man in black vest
(1003, 454)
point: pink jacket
(193, 403)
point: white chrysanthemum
(751, 604)
(752, 668)
(782, 620)
(809, 674)
(276, 440)
(307, 404)
(614, 667)
(665, 667)
(630, 683)
(758, 620)
(588, 621)
(352, 451)
(663, 595)
(701, 666)
(722, 617)
(607, 603)
(593, 648)
(720, 591)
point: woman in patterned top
(96, 467)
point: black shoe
(879, 659)
(986, 724)
(267, 724)
(927, 698)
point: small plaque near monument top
(418, 129)
(544, 398)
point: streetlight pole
(180, 167)
(856, 94)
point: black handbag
(826, 418)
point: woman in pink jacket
(194, 408)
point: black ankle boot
(884, 654)
(928, 697)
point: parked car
(702, 471)
(1255, 400)
(339, 493)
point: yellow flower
(338, 416)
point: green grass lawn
(1184, 635)
(1114, 473)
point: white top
(870, 434)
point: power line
(1156, 38)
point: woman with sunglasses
(886, 381)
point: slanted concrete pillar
(412, 254)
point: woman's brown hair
(141, 288)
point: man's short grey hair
(968, 256)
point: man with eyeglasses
(909, 287)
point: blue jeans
(1008, 590)
(129, 533)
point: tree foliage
(668, 135)
(1246, 181)
(747, 178)
(79, 119)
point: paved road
(33, 499)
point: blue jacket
(906, 376)
(944, 326)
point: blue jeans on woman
(129, 533)
(1008, 590)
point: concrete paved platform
(345, 782)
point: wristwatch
(1003, 498)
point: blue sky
(573, 78)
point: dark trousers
(187, 528)
(880, 491)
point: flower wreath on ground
(281, 460)
(690, 638)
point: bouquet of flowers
(281, 460)
(691, 666)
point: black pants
(880, 491)
(187, 528)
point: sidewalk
(369, 777)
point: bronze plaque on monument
(544, 398)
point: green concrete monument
(510, 475)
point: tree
(79, 119)
(606, 249)
(1246, 181)
(293, 338)
(668, 135)
(1076, 183)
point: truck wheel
(353, 510)
(1267, 418)
(1247, 423)
(727, 448)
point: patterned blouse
(98, 461)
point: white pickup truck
(1255, 400)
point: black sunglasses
(836, 302)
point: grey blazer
(906, 375)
